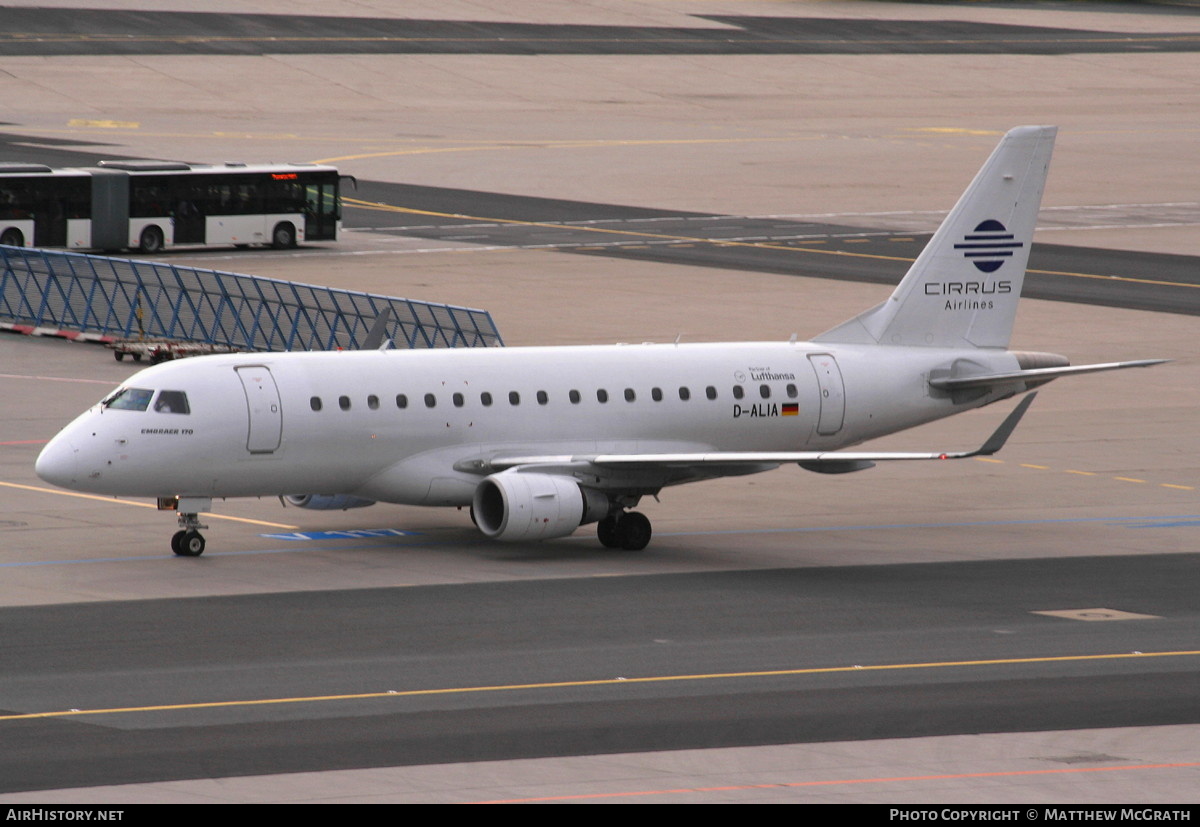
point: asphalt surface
(389, 677)
(51, 32)
(772, 244)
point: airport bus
(150, 205)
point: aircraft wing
(1038, 375)
(734, 462)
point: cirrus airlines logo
(988, 246)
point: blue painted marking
(1174, 524)
(350, 534)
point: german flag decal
(790, 409)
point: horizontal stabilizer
(1038, 375)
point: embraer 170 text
(541, 440)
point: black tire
(12, 237)
(151, 240)
(633, 531)
(606, 531)
(119, 356)
(188, 543)
(283, 237)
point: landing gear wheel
(633, 531)
(283, 237)
(606, 530)
(187, 543)
(151, 240)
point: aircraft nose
(58, 461)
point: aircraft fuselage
(397, 426)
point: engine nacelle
(514, 506)
(327, 502)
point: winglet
(377, 335)
(996, 441)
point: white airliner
(541, 440)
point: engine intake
(513, 506)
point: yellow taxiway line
(826, 670)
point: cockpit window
(172, 402)
(129, 399)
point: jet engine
(514, 506)
(327, 502)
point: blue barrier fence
(131, 299)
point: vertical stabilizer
(963, 289)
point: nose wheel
(188, 541)
(629, 531)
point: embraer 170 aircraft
(541, 440)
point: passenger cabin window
(764, 391)
(738, 393)
(401, 401)
(315, 403)
(172, 402)
(344, 403)
(542, 397)
(656, 394)
(373, 402)
(458, 400)
(129, 399)
(485, 398)
(710, 392)
(791, 391)
(685, 394)
(601, 395)
(630, 396)
(574, 397)
(514, 398)
(430, 400)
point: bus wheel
(12, 237)
(151, 240)
(283, 236)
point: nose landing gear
(188, 541)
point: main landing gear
(628, 530)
